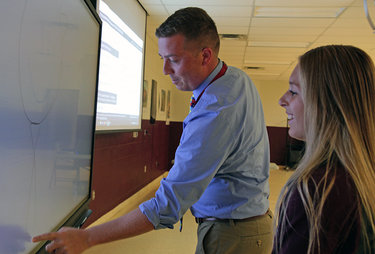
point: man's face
(182, 62)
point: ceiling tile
(282, 38)
(231, 21)
(233, 43)
(272, 54)
(357, 3)
(291, 31)
(209, 2)
(298, 12)
(352, 23)
(303, 3)
(149, 2)
(235, 51)
(353, 12)
(232, 29)
(235, 17)
(218, 10)
(291, 22)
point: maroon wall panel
(124, 164)
(175, 131)
(278, 137)
(160, 146)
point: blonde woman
(328, 204)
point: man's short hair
(195, 24)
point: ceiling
(273, 33)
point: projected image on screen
(121, 74)
(49, 58)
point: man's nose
(167, 68)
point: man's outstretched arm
(74, 241)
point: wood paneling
(175, 131)
(124, 164)
(278, 137)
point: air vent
(254, 68)
(240, 37)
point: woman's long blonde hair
(338, 89)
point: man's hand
(66, 240)
(74, 241)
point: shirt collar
(207, 81)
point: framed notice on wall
(145, 94)
(154, 96)
(162, 100)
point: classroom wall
(270, 92)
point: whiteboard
(48, 79)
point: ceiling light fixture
(240, 37)
(253, 68)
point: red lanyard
(220, 74)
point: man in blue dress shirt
(221, 166)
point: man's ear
(207, 55)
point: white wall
(270, 92)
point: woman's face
(293, 104)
